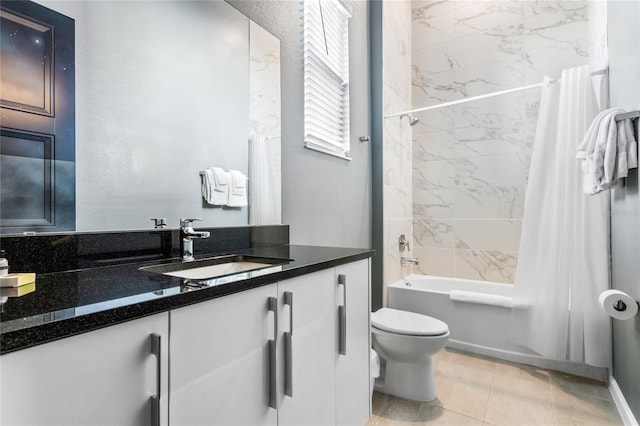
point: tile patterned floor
(477, 390)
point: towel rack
(628, 115)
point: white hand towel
(599, 153)
(221, 179)
(632, 144)
(481, 298)
(206, 184)
(218, 194)
(238, 191)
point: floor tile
(522, 371)
(401, 410)
(471, 360)
(519, 400)
(578, 409)
(462, 389)
(475, 390)
(581, 385)
(379, 402)
(433, 415)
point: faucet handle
(403, 244)
(160, 222)
(187, 223)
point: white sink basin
(214, 267)
(213, 271)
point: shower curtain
(564, 248)
(264, 206)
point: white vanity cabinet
(295, 352)
(104, 377)
(225, 368)
(307, 350)
(353, 400)
(220, 360)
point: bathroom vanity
(284, 344)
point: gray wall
(325, 200)
(624, 64)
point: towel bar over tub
(628, 115)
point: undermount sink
(214, 267)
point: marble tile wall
(397, 151)
(471, 161)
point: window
(326, 76)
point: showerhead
(412, 120)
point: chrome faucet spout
(413, 260)
(187, 234)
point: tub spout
(413, 260)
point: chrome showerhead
(412, 120)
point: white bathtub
(475, 327)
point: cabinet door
(104, 377)
(220, 361)
(352, 364)
(307, 321)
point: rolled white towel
(482, 298)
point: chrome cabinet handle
(288, 348)
(156, 349)
(342, 317)
(273, 397)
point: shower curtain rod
(479, 97)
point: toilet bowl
(406, 341)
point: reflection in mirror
(162, 92)
(264, 143)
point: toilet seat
(407, 323)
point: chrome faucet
(187, 234)
(413, 260)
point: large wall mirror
(164, 90)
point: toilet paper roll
(618, 304)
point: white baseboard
(621, 403)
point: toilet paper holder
(620, 306)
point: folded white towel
(608, 151)
(238, 190)
(206, 184)
(221, 179)
(217, 191)
(628, 145)
(482, 298)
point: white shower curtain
(564, 248)
(264, 200)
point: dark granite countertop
(72, 302)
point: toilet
(406, 341)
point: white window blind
(326, 76)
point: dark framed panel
(26, 62)
(37, 122)
(27, 196)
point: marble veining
(433, 146)
(436, 203)
(397, 146)
(433, 175)
(433, 233)
(488, 265)
(490, 202)
(473, 195)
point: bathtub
(481, 328)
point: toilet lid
(409, 323)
